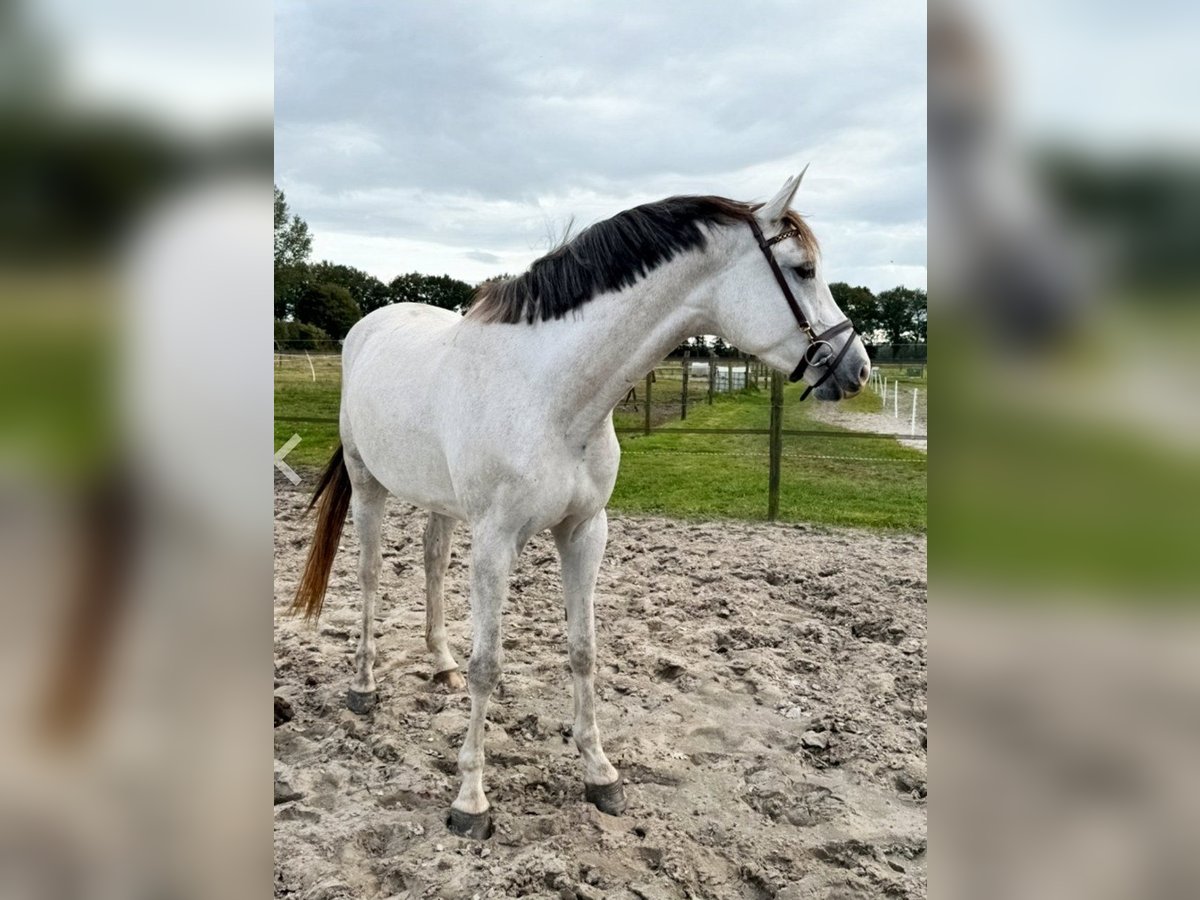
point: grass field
(1079, 474)
(868, 482)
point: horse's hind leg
(581, 547)
(437, 559)
(366, 505)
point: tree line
(316, 303)
(892, 323)
(893, 319)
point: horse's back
(400, 324)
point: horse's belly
(399, 446)
(414, 472)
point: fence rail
(698, 380)
(783, 432)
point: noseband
(819, 351)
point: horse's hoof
(476, 826)
(608, 798)
(451, 678)
(361, 702)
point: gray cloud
(482, 256)
(453, 132)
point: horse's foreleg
(366, 506)
(581, 548)
(492, 558)
(437, 559)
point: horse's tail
(332, 499)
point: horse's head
(770, 300)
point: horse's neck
(595, 358)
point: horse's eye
(806, 271)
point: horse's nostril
(864, 373)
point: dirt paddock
(761, 688)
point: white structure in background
(723, 376)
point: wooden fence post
(649, 381)
(712, 376)
(776, 453)
(683, 396)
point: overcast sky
(461, 138)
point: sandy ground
(883, 422)
(762, 690)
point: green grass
(870, 482)
(1037, 499)
(296, 394)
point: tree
(860, 306)
(408, 288)
(436, 290)
(921, 316)
(899, 310)
(301, 336)
(449, 293)
(696, 345)
(290, 282)
(293, 244)
(328, 306)
(368, 291)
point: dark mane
(611, 255)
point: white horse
(507, 422)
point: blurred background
(1065, 493)
(135, 529)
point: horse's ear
(773, 210)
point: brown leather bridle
(819, 352)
